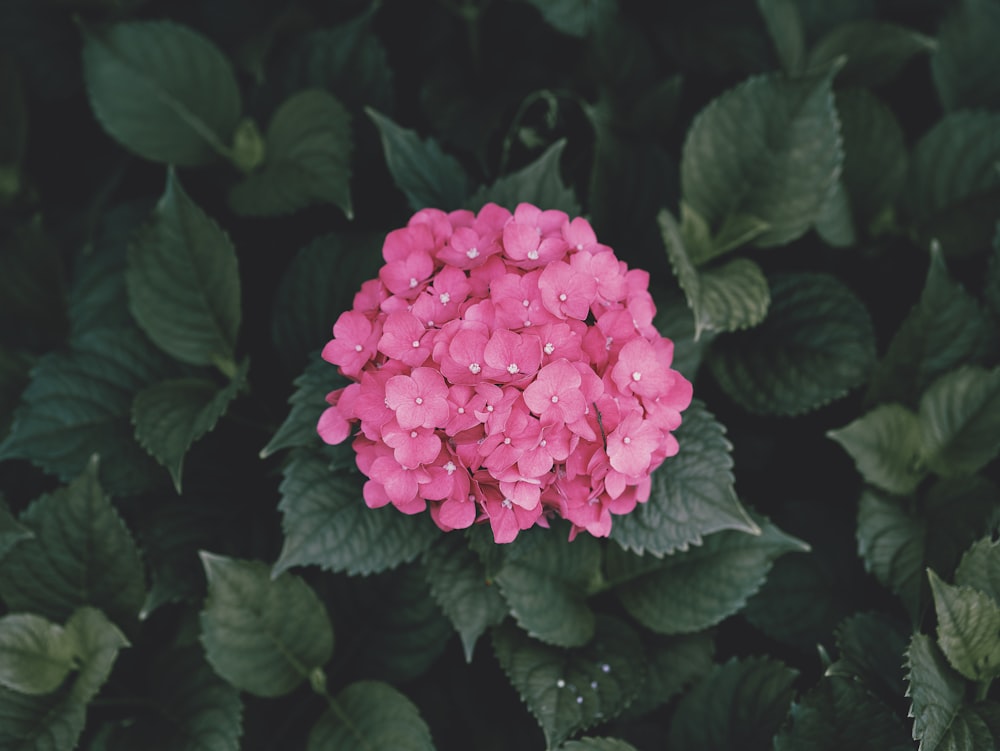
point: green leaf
(36, 655)
(692, 590)
(886, 447)
(547, 589)
(15, 369)
(162, 90)
(425, 174)
(308, 159)
(726, 169)
(11, 532)
(692, 493)
(458, 583)
(960, 421)
(98, 642)
(539, 183)
(81, 554)
(871, 648)
(991, 287)
(597, 744)
(183, 283)
(816, 344)
(874, 52)
(738, 705)
(263, 635)
(327, 524)
(835, 222)
(980, 568)
(576, 18)
(784, 24)
(967, 56)
(840, 713)
(968, 624)
(674, 321)
(370, 715)
(308, 403)
(672, 663)
(569, 690)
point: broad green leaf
(371, 715)
(672, 663)
(967, 57)
(871, 647)
(673, 320)
(426, 175)
(569, 690)
(960, 421)
(539, 183)
(968, 624)
(726, 168)
(576, 18)
(171, 415)
(36, 655)
(11, 531)
(458, 583)
(980, 568)
(820, 17)
(81, 554)
(308, 402)
(15, 369)
(874, 52)
(692, 493)
(784, 24)
(738, 705)
(327, 524)
(547, 589)
(816, 344)
(692, 590)
(263, 635)
(597, 744)
(162, 90)
(98, 642)
(886, 447)
(183, 283)
(835, 222)
(308, 150)
(840, 713)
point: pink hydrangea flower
(506, 370)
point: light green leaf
(308, 402)
(738, 705)
(371, 716)
(960, 421)
(263, 635)
(11, 532)
(967, 57)
(968, 624)
(672, 663)
(568, 690)
(547, 589)
(816, 344)
(726, 168)
(36, 655)
(576, 18)
(327, 524)
(692, 590)
(162, 90)
(308, 148)
(835, 222)
(784, 24)
(597, 744)
(81, 554)
(980, 568)
(874, 52)
(871, 647)
(886, 447)
(692, 493)
(98, 642)
(183, 282)
(539, 183)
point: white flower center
(555, 398)
(636, 376)
(506, 441)
(413, 282)
(579, 246)
(549, 348)
(419, 400)
(474, 368)
(533, 255)
(543, 443)
(450, 467)
(445, 298)
(507, 503)
(358, 348)
(608, 342)
(512, 368)
(489, 407)
(626, 440)
(413, 434)
(472, 252)
(461, 410)
(416, 343)
(562, 297)
(526, 303)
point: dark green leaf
(960, 421)
(371, 716)
(692, 493)
(991, 287)
(15, 368)
(263, 635)
(597, 744)
(577, 18)
(81, 554)
(871, 647)
(568, 690)
(308, 403)
(672, 663)
(539, 183)
(162, 90)
(835, 222)
(873, 52)
(968, 624)
(967, 57)
(886, 447)
(308, 159)
(816, 344)
(980, 568)
(738, 705)
(11, 532)
(32, 289)
(183, 283)
(36, 655)
(673, 320)
(784, 24)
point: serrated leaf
(162, 90)
(784, 24)
(308, 402)
(968, 624)
(871, 647)
(568, 690)
(458, 583)
(816, 344)
(725, 169)
(874, 52)
(539, 183)
(960, 421)
(885, 445)
(183, 282)
(738, 705)
(327, 524)
(263, 635)
(547, 589)
(692, 493)
(36, 655)
(980, 568)
(308, 150)
(81, 554)
(835, 221)
(171, 415)
(98, 642)
(372, 715)
(672, 663)
(597, 744)
(11, 531)
(576, 18)
(426, 175)
(967, 55)
(697, 588)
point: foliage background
(827, 266)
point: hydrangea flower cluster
(505, 368)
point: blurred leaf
(371, 715)
(162, 90)
(11, 531)
(539, 183)
(967, 57)
(672, 663)
(784, 24)
(32, 289)
(835, 222)
(874, 52)
(968, 624)
(871, 647)
(597, 744)
(15, 368)
(36, 655)
(960, 421)
(576, 18)
(991, 287)
(886, 447)
(980, 568)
